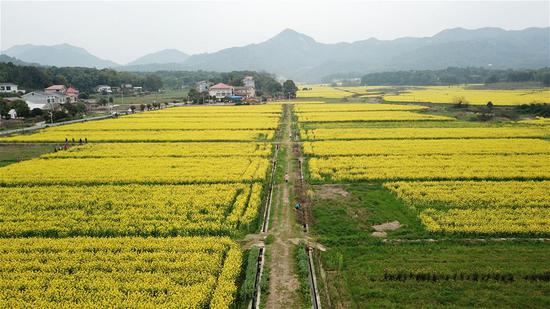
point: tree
(460, 101)
(193, 95)
(35, 112)
(152, 83)
(289, 89)
(111, 100)
(20, 107)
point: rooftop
(221, 86)
(56, 87)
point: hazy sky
(125, 30)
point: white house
(248, 81)
(43, 100)
(8, 88)
(103, 88)
(203, 86)
(220, 91)
(13, 114)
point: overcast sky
(125, 30)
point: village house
(248, 81)
(103, 89)
(247, 92)
(43, 100)
(8, 88)
(203, 86)
(220, 91)
(72, 94)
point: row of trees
(451, 76)
(84, 79)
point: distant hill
(161, 57)
(295, 55)
(63, 55)
(298, 56)
(6, 59)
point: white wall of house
(220, 93)
(8, 88)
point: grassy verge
(12, 153)
(246, 291)
(302, 269)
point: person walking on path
(286, 177)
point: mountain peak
(161, 57)
(57, 55)
(289, 36)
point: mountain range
(295, 55)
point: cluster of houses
(222, 91)
(51, 97)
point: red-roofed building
(72, 94)
(220, 91)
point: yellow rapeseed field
(337, 116)
(175, 170)
(427, 147)
(177, 272)
(322, 91)
(444, 94)
(423, 133)
(150, 150)
(460, 166)
(127, 210)
(315, 108)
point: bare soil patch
(380, 230)
(331, 192)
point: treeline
(84, 79)
(453, 76)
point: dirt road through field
(283, 282)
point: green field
(11, 153)
(167, 96)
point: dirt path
(283, 282)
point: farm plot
(315, 108)
(128, 210)
(462, 166)
(321, 91)
(142, 136)
(368, 116)
(480, 207)
(149, 150)
(423, 133)
(446, 274)
(426, 147)
(118, 272)
(442, 94)
(153, 124)
(135, 170)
